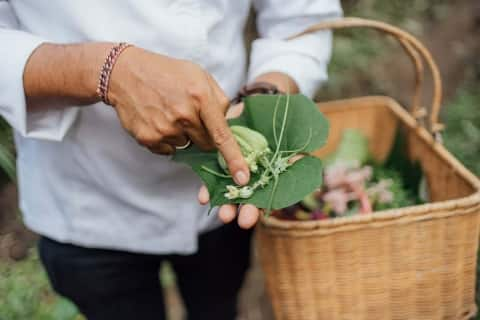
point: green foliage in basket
(402, 196)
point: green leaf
(306, 130)
(7, 162)
(353, 148)
(304, 119)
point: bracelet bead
(106, 70)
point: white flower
(246, 192)
(233, 192)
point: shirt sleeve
(304, 59)
(15, 50)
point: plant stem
(272, 195)
(284, 123)
(275, 156)
(294, 152)
(215, 173)
(274, 121)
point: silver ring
(185, 146)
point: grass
(26, 294)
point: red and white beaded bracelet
(106, 71)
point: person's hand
(247, 214)
(164, 102)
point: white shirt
(82, 178)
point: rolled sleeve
(16, 48)
(305, 59)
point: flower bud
(246, 192)
(253, 146)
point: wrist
(255, 88)
(282, 81)
(93, 57)
(61, 75)
(107, 69)
(268, 83)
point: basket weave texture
(417, 262)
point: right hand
(162, 102)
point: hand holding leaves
(291, 124)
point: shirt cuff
(50, 124)
(305, 59)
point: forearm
(283, 81)
(61, 75)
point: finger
(295, 158)
(187, 119)
(235, 111)
(227, 146)
(203, 195)
(248, 216)
(177, 141)
(195, 126)
(162, 148)
(227, 213)
(169, 132)
(214, 119)
(197, 132)
(223, 103)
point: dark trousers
(107, 284)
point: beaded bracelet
(106, 71)
(255, 88)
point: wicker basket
(410, 263)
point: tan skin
(162, 102)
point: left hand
(248, 214)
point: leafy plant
(402, 195)
(7, 162)
(291, 124)
(7, 156)
(352, 185)
(25, 293)
(462, 133)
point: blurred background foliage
(363, 63)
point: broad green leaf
(306, 129)
(303, 119)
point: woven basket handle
(415, 50)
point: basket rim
(416, 212)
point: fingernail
(241, 178)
